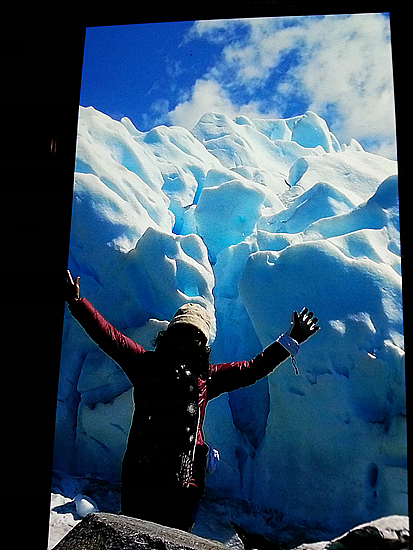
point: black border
(43, 63)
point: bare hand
(304, 325)
(72, 288)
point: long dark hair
(199, 361)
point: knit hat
(195, 315)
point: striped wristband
(289, 344)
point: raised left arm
(225, 377)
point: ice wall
(253, 219)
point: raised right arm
(119, 347)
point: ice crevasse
(252, 218)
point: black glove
(303, 325)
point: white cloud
(216, 30)
(349, 65)
(339, 64)
(207, 96)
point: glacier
(252, 218)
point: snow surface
(253, 219)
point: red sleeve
(227, 377)
(119, 347)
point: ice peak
(254, 218)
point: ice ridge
(252, 218)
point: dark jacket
(169, 402)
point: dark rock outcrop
(102, 531)
(388, 533)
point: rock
(103, 531)
(386, 533)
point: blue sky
(172, 73)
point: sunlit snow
(253, 219)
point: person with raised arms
(163, 469)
